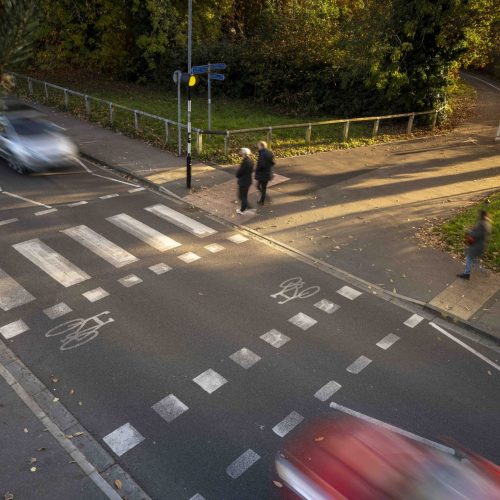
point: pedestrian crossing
(96, 240)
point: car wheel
(16, 165)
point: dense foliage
(326, 56)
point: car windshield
(31, 127)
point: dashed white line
(275, 338)
(464, 345)
(13, 329)
(327, 306)
(108, 196)
(57, 311)
(123, 439)
(136, 190)
(101, 246)
(242, 463)
(302, 321)
(245, 358)
(77, 203)
(238, 238)
(95, 294)
(160, 268)
(44, 212)
(288, 424)
(8, 221)
(349, 293)
(327, 391)
(413, 321)
(189, 257)
(54, 264)
(183, 221)
(26, 199)
(151, 236)
(12, 294)
(210, 380)
(214, 248)
(130, 280)
(360, 364)
(169, 408)
(115, 180)
(392, 428)
(387, 341)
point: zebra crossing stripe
(12, 294)
(101, 246)
(51, 262)
(145, 233)
(180, 220)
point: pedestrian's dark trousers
(243, 194)
(262, 187)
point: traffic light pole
(188, 156)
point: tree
(18, 31)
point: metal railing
(135, 115)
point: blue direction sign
(198, 70)
(216, 76)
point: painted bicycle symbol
(292, 289)
(79, 331)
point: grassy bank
(451, 233)
(226, 114)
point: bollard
(345, 132)
(497, 138)
(269, 136)
(66, 99)
(434, 120)
(87, 105)
(30, 86)
(46, 92)
(308, 134)
(136, 120)
(111, 113)
(167, 132)
(226, 142)
(199, 141)
(375, 127)
(410, 123)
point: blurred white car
(31, 143)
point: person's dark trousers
(262, 187)
(243, 194)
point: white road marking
(242, 464)
(327, 306)
(13, 329)
(288, 423)
(210, 380)
(349, 293)
(95, 294)
(57, 311)
(413, 321)
(26, 199)
(114, 180)
(44, 212)
(189, 257)
(8, 221)
(327, 391)
(53, 263)
(302, 321)
(101, 246)
(275, 338)
(392, 428)
(387, 341)
(169, 408)
(145, 233)
(136, 190)
(80, 162)
(130, 280)
(464, 345)
(197, 497)
(245, 358)
(108, 196)
(77, 203)
(214, 248)
(160, 268)
(484, 81)
(183, 221)
(123, 439)
(238, 238)
(360, 364)
(12, 294)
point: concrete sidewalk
(357, 209)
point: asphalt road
(186, 318)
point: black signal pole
(188, 156)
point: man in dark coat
(264, 170)
(477, 241)
(244, 176)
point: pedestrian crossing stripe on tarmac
(12, 294)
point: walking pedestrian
(476, 240)
(264, 170)
(244, 176)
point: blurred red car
(350, 458)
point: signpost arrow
(216, 76)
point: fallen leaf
(71, 392)
(33, 460)
(72, 462)
(55, 400)
(8, 496)
(55, 380)
(118, 484)
(33, 469)
(25, 430)
(278, 484)
(76, 434)
(320, 438)
(41, 449)
(489, 372)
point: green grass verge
(226, 114)
(452, 231)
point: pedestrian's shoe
(464, 276)
(239, 211)
(261, 202)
